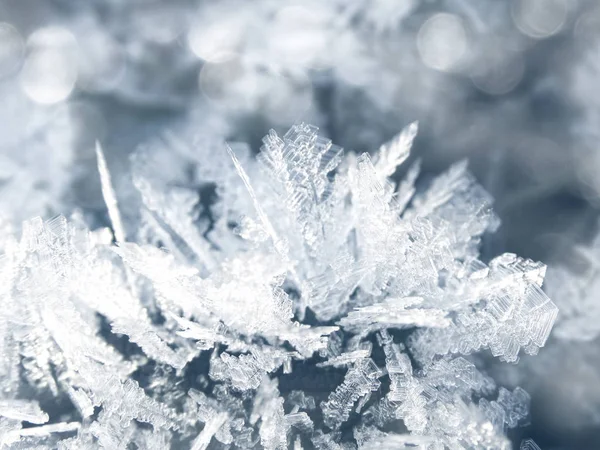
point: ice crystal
(528, 444)
(187, 324)
(575, 289)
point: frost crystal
(528, 444)
(191, 327)
(575, 290)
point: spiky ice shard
(187, 330)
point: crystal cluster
(186, 325)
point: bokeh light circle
(498, 71)
(540, 18)
(442, 41)
(215, 42)
(51, 65)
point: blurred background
(512, 85)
